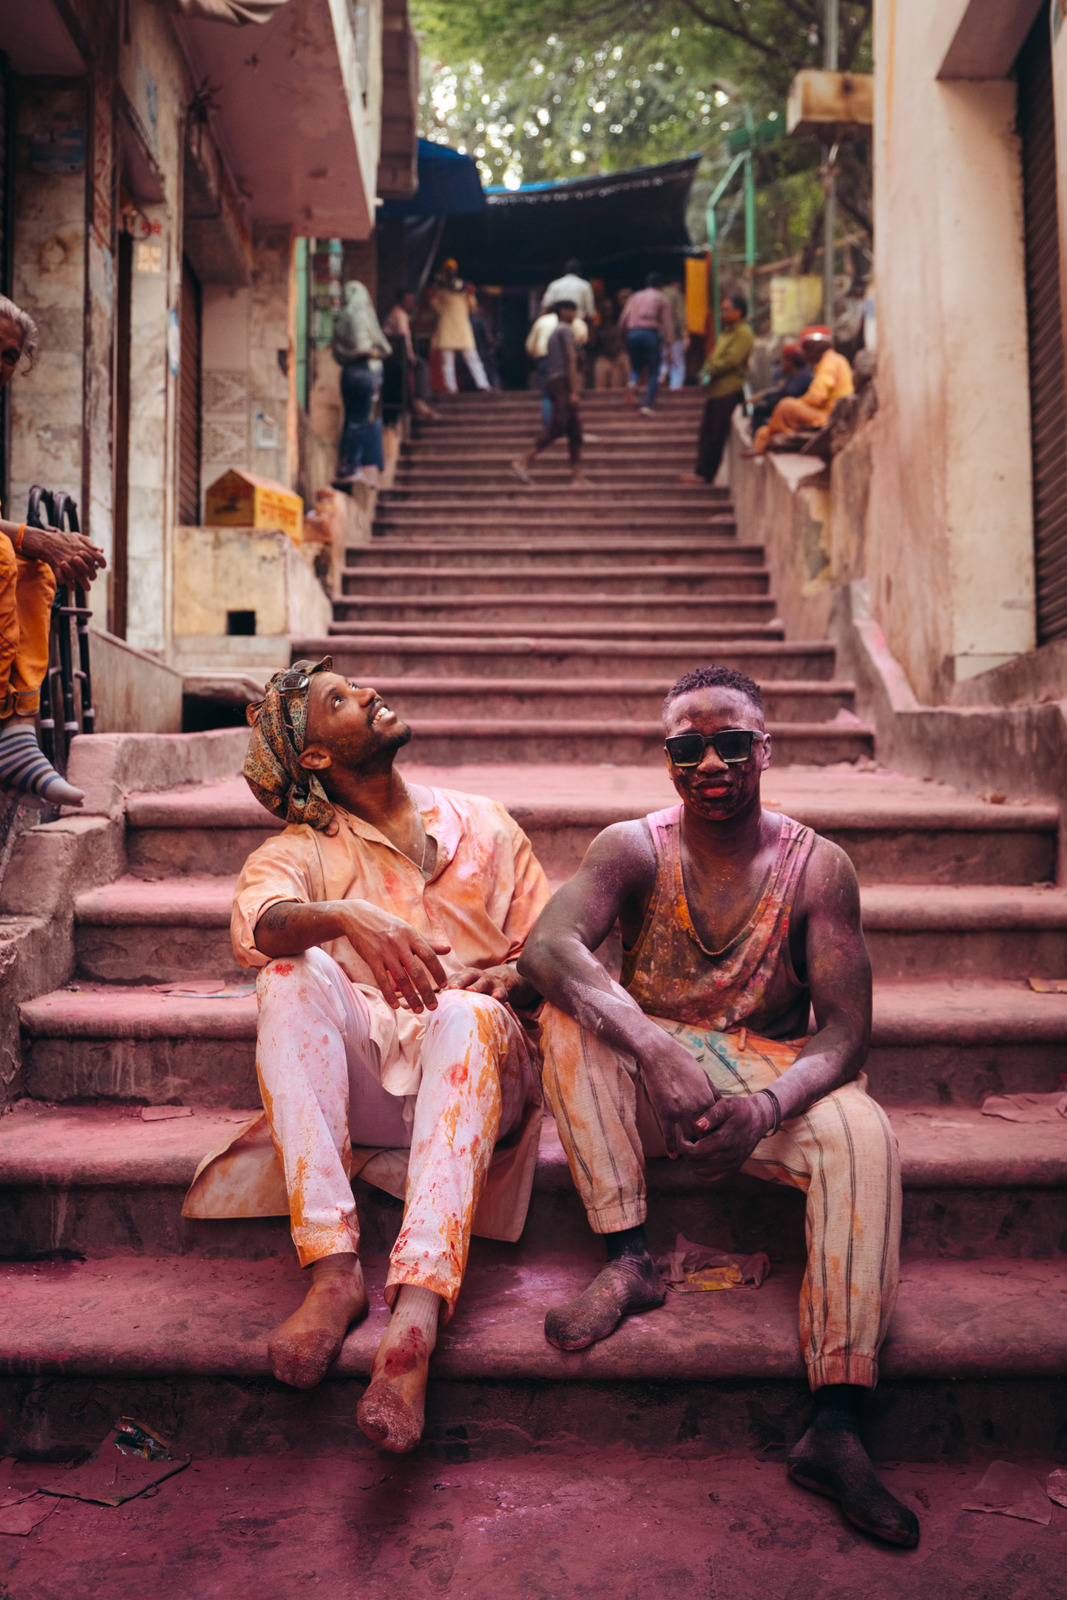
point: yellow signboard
(795, 303)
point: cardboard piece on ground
(110, 1478)
(1025, 1107)
(22, 1518)
(1056, 1487)
(1011, 1491)
(1049, 985)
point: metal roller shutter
(1048, 391)
(189, 401)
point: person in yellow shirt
(831, 383)
(724, 372)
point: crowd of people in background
(581, 336)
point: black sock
(630, 1242)
(836, 1407)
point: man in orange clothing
(31, 562)
(831, 383)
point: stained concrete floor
(608, 1526)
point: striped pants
(841, 1153)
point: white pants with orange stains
(319, 1076)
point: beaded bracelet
(777, 1111)
(17, 540)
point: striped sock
(24, 769)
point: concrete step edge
(905, 1014)
(111, 1147)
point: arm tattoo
(276, 917)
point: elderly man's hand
(72, 558)
(736, 1124)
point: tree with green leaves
(536, 90)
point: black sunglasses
(732, 745)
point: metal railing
(48, 509)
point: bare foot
(692, 480)
(579, 481)
(391, 1412)
(834, 1463)
(520, 472)
(308, 1342)
(625, 1286)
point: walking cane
(37, 516)
(65, 510)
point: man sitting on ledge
(832, 382)
(735, 921)
(385, 920)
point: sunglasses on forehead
(732, 746)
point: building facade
(160, 160)
(966, 554)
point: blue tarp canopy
(449, 186)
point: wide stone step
(546, 554)
(934, 1044)
(528, 611)
(437, 496)
(624, 578)
(974, 1186)
(517, 531)
(894, 830)
(386, 655)
(976, 1356)
(610, 698)
(553, 480)
(482, 519)
(138, 930)
(566, 740)
(705, 637)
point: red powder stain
(406, 1355)
(283, 968)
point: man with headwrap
(385, 921)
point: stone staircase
(528, 635)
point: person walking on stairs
(724, 372)
(646, 321)
(385, 921)
(735, 922)
(31, 562)
(562, 387)
(359, 347)
(572, 286)
(453, 301)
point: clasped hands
(715, 1134)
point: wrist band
(17, 540)
(777, 1111)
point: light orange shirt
(832, 382)
(485, 895)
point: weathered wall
(812, 521)
(48, 279)
(152, 75)
(245, 569)
(950, 554)
(268, 348)
(132, 691)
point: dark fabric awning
(616, 224)
(449, 185)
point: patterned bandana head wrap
(272, 766)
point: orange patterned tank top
(751, 983)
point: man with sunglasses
(385, 921)
(736, 923)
